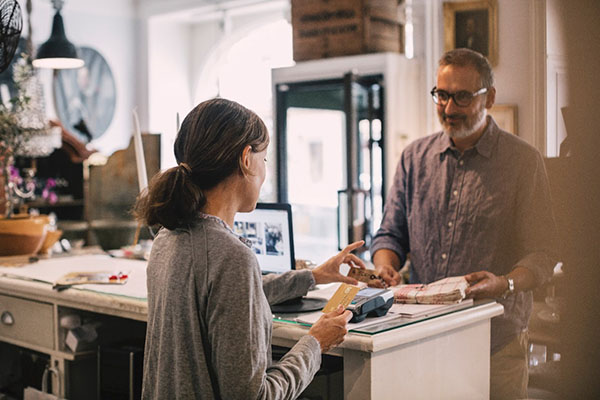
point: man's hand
(484, 284)
(390, 276)
(387, 263)
(329, 271)
(331, 328)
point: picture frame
(505, 116)
(474, 25)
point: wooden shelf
(60, 203)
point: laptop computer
(269, 228)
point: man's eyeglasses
(462, 98)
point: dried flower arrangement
(23, 117)
(22, 124)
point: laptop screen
(269, 228)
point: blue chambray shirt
(487, 209)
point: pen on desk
(60, 288)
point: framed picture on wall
(505, 116)
(473, 25)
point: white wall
(556, 77)
(213, 36)
(512, 74)
(110, 28)
(169, 81)
(182, 47)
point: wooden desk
(443, 357)
(36, 308)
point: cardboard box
(331, 28)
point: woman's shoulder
(205, 244)
(201, 235)
(222, 243)
(216, 230)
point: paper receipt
(343, 296)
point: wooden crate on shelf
(332, 28)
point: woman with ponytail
(209, 322)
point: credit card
(363, 275)
(343, 296)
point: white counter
(440, 357)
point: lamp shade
(57, 52)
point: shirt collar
(484, 145)
(219, 221)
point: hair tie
(186, 168)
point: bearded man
(473, 200)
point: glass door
(330, 161)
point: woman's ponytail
(171, 200)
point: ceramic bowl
(51, 238)
(113, 234)
(22, 235)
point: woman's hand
(329, 271)
(331, 328)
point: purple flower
(53, 198)
(15, 177)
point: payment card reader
(372, 302)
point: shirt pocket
(483, 207)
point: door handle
(341, 210)
(7, 318)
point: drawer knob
(7, 318)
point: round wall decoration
(85, 98)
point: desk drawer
(26, 320)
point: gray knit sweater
(209, 321)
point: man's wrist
(510, 287)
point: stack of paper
(445, 291)
(424, 310)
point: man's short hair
(467, 57)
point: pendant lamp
(57, 52)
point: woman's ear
(245, 159)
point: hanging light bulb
(57, 52)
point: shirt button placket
(453, 213)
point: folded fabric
(445, 291)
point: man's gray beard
(468, 130)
